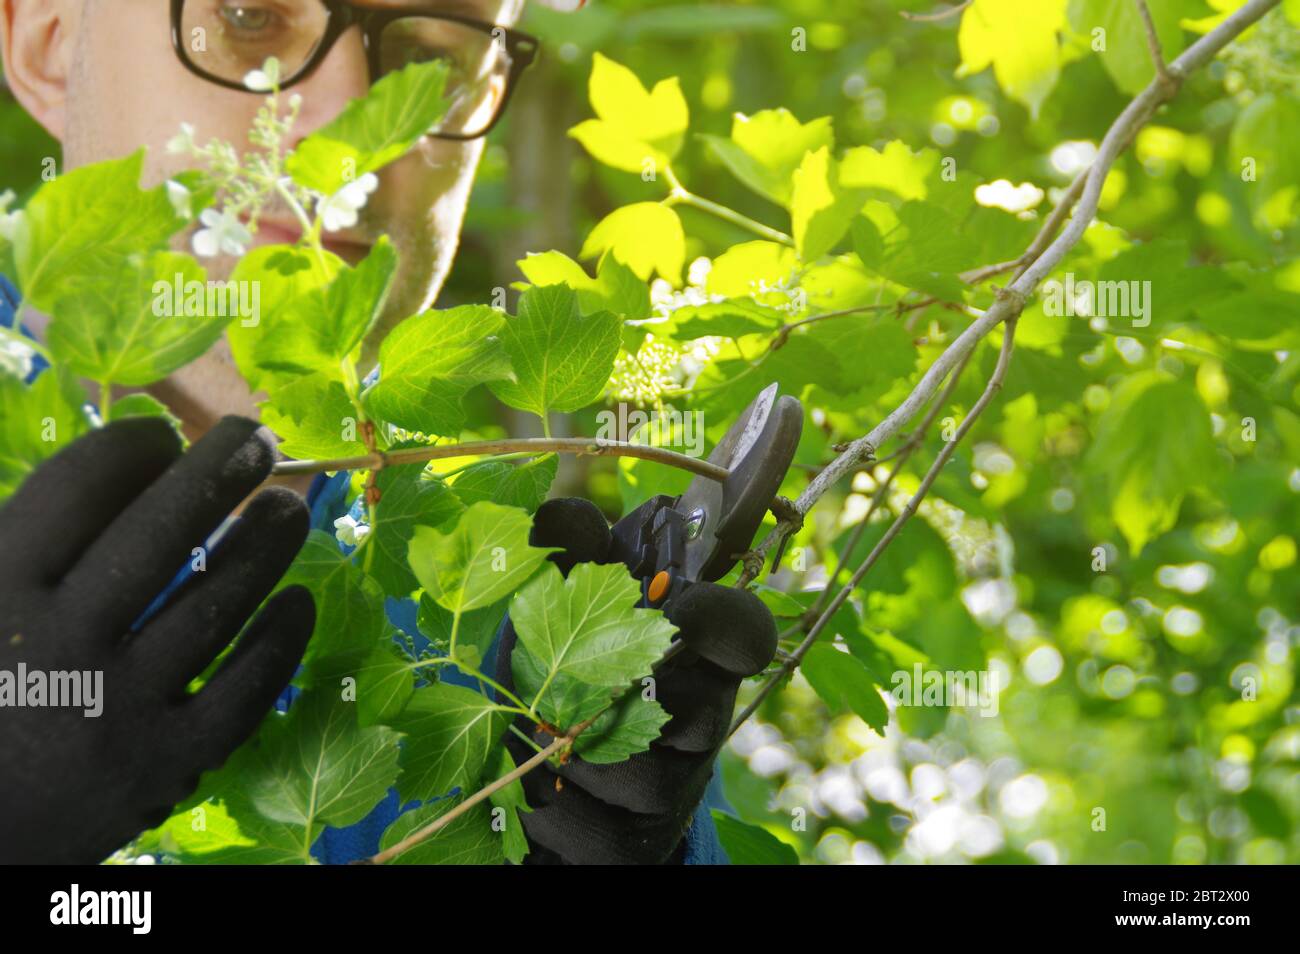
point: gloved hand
(637, 811)
(86, 544)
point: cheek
(425, 191)
(128, 97)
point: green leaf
(894, 168)
(475, 633)
(317, 767)
(484, 558)
(1153, 444)
(743, 269)
(451, 734)
(410, 497)
(37, 421)
(1258, 320)
(1018, 38)
(140, 405)
(845, 684)
(624, 729)
(284, 275)
(587, 627)
(1176, 287)
(125, 328)
(766, 148)
(1127, 57)
(648, 236)
(1262, 136)
(321, 327)
(227, 835)
(1266, 813)
(428, 363)
(372, 131)
(521, 485)
(385, 682)
(615, 288)
(507, 803)
(314, 419)
(821, 207)
(562, 359)
(749, 844)
(729, 319)
(918, 246)
(81, 225)
(349, 610)
(469, 840)
(633, 125)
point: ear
(35, 38)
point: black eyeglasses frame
(521, 47)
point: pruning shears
(700, 535)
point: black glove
(86, 544)
(637, 811)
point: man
(92, 539)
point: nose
(342, 76)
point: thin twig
(1153, 40)
(938, 15)
(413, 839)
(595, 446)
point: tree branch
(1011, 300)
(596, 446)
(792, 661)
(1153, 39)
(413, 839)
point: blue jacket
(328, 500)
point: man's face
(123, 87)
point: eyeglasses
(223, 40)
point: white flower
(339, 211)
(15, 358)
(265, 79)
(349, 531)
(224, 234)
(183, 141)
(8, 220)
(698, 273)
(179, 197)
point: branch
(413, 839)
(596, 446)
(1153, 39)
(788, 666)
(1011, 300)
(936, 16)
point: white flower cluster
(665, 300)
(348, 530)
(8, 220)
(15, 358)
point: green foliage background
(1185, 771)
(1124, 686)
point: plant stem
(680, 195)
(486, 791)
(105, 400)
(596, 446)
